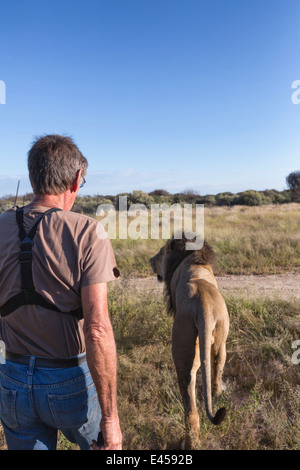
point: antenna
(17, 192)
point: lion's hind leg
(218, 356)
(185, 351)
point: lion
(200, 327)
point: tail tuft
(220, 415)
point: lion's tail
(205, 335)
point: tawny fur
(200, 327)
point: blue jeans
(35, 402)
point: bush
(139, 197)
(225, 199)
(209, 200)
(159, 192)
(88, 204)
(249, 198)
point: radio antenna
(17, 192)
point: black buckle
(25, 256)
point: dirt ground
(284, 286)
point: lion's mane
(178, 253)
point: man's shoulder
(66, 215)
(77, 217)
(81, 221)
(8, 214)
(84, 223)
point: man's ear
(76, 184)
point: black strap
(25, 255)
(28, 294)
(19, 217)
(29, 297)
(32, 232)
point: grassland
(263, 384)
(247, 240)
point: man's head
(53, 163)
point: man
(60, 349)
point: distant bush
(139, 197)
(88, 204)
(159, 192)
(283, 198)
(249, 198)
(209, 200)
(225, 199)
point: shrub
(249, 198)
(225, 199)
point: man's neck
(62, 201)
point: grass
(263, 385)
(247, 240)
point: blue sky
(171, 94)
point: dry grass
(247, 240)
(263, 385)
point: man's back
(67, 255)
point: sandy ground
(284, 286)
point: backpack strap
(25, 255)
(28, 294)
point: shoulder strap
(25, 255)
(28, 294)
(32, 232)
(19, 217)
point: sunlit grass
(263, 385)
(247, 240)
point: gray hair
(53, 163)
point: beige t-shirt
(70, 251)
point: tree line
(89, 204)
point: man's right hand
(112, 435)
(101, 357)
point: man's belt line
(47, 362)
